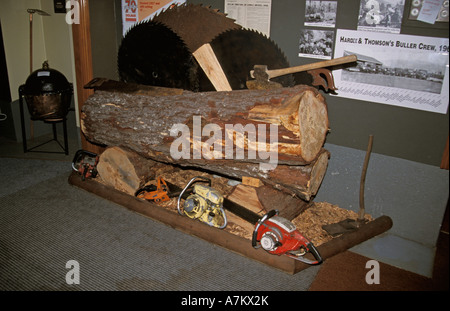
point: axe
(262, 75)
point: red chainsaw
(85, 164)
(279, 236)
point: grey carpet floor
(45, 222)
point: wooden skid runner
(225, 239)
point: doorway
(7, 131)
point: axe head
(259, 72)
(261, 81)
(40, 12)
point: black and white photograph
(383, 74)
(320, 13)
(316, 43)
(381, 15)
(417, 72)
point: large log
(148, 125)
(113, 118)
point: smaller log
(124, 170)
(247, 196)
(300, 180)
(289, 206)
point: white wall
(52, 41)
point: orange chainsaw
(157, 193)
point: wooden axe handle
(326, 63)
(207, 59)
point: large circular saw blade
(238, 50)
(152, 54)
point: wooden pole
(362, 208)
(83, 65)
(31, 42)
(31, 67)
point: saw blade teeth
(196, 24)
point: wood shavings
(310, 222)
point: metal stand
(65, 148)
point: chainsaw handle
(225, 221)
(78, 154)
(313, 250)
(260, 222)
(185, 188)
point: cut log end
(318, 173)
(306, 179)
(313, 124)
(124, 170)
(304, 116)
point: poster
(320, 13)
(381, 15)
(252, 14)
(134, 11)
(315, 43)
(400, 70)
